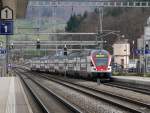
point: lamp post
(126, 57)
(133, 50)
(144, 59)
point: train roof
(85, 52)
(60, 54)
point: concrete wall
(121, 49)
(121, 53)
(118, 59)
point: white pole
(133, 52)
(126, 57)
(144, 59)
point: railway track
(129, 87)
(128, 104)
(61, 105)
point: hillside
(129, 21)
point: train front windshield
(100, 58)
(101, 61)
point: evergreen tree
(74, 22)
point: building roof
(122, 41)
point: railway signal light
(65, 50)
(38, 44)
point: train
(80, 64)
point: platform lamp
(133, 50)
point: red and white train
(85, 64)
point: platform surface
(133, 79)
(12, 96)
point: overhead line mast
(99, 4)
(100, 27)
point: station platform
(12, 96)
(133, 80)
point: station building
(121, 52)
